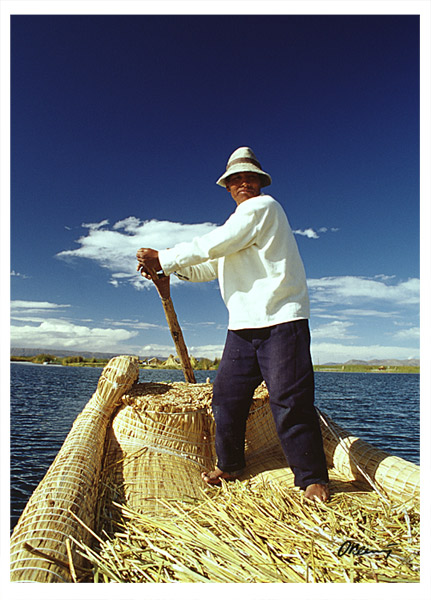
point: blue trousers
(279, 355)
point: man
(262, 281)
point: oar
(163, 287)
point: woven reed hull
(360, 461)
(153, 441)
(70, 487)
(158, 447)
(161, 454)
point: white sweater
(256, 259)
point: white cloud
(94, 226)
(363, 312)
(131, 224)
(34, 304)
(115, 249)
(200, 324)
(310, 233)
(22, 308)
(384, 277)
(133, 323)
(366, 310)
(349, 290)
(411, 333)
(149, 350)
(350, 313)
(15, 274)
(39, 324)
(333, 330)
(333, 352)
(63, 334)
(211, 351)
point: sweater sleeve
(237, 233)
(206, 271)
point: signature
(349, 547)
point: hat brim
(244, 168)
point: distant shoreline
(387, 369)
(366, 368)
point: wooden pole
(177, 336)
(163, 287)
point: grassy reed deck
(254, 533)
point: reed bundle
(358, 460)
(261, 533)
(163, 437)
(39, 543)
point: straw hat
(244, 160)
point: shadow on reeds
(266, 460)
(271, 465)
(111, 488)
(151, 387)
(372, 465)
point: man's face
(243, 186)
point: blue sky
(120, 126)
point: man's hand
(148, 260)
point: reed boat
(133, 461)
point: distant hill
(386, 362)
(63, 353)
(59, 353)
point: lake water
(382, 409)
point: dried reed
(257, 533)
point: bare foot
(215, 477)
(317, 491)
